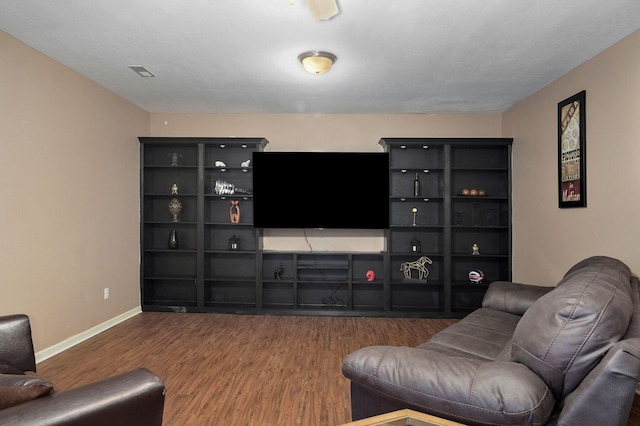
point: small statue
(245, 163)
(174, 189)
(476, 249)
(174, 158)
(219, 164)
(279, 272)
(418, 265)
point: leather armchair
(565, 355)
(132, 398)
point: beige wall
(547, 239)
(308, 132)
(70, 191)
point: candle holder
(234, 243)
(416, 246)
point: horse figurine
(418, 265)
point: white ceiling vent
(142, 71)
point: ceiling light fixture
(317, 62)
(322, 10)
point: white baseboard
(85, 335)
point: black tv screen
(342, 190)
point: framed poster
(572, 160)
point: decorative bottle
(173, 239)
(416, 186)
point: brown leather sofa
(132, 398)
(564, 355)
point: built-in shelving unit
(218, 264)
(463, 199)
(213, 182)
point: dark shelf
(169, 167)
(230, 196)
(231, 252)
(170, 277)
(168, 303)
(321, 306)
(417, 283)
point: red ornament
(371, 275)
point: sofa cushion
(564, 334)
(459, 388)
(8, 368)
(16, 389)
(483, 334)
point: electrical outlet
(106, 292)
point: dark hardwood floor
(241, 370)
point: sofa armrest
(132, 398)
(457, 388)
(513, 298)
(16, 345)
(606, 394)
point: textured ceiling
(240, 56)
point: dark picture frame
(572, 154)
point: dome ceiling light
(317, 62)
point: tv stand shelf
(322, 282)
(218, 265)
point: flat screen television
(332, 190)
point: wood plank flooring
(238, 369)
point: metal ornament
(175, 206)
